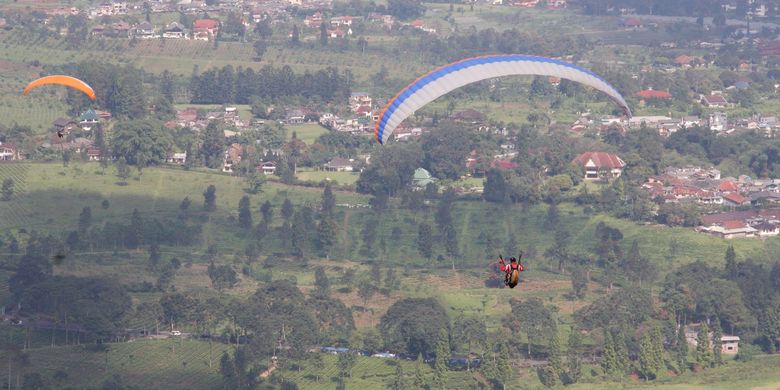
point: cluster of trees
(97, 305)
(229, 85)
(140, 231)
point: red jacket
(506, 267)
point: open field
(307, 132)
(148, 364)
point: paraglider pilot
(513, 265)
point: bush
(747, 352)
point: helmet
(513, 260)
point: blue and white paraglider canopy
(440, 81)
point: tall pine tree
(442, 355)
(731, 263)
(681, 349)
(717, 334)
(703, 346)
(244, 213)
(574, 360)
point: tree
(650, 361)
(255, 181)
(405, 9)
(579, 282)
(346, 362)
(399, 382)
(419, 378)
(287, 209)
(260, 47)
(244, 213)
(495, 362)
(210, 198)
(731, 263)
(681, 349)
(141, 142)
(323, 34)
(222, 276)
(326, 234)
(321, 280)
(703, 347)
(267, 209)
(295, 36)
(442, 355)
(574, 359)
(122, 170)
(412, 325)
(135, 233)
(535, 319)
(425, 240)
(184, 207)
(554, 368)
(717, 334)
(8, 189)
(213, 145)
(328, 200)
(85, 219)
(154, 256)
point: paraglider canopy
(432, 85)
(67, 81)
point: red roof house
(209, 26)
(653, 94)
(735, 199)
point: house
(714, 101)
(338, 33)
(338, 164)
(594, 163)
(64, 125)
(188, 115)
(339, 21)
(718, 121)
(103, 115)
(730, 229)
(359, 99)
(232, 157)
(766, 229)
(504, 165)
(422, 178)
(649, 94)
(268, 167)
(468, 116)
(632, 23)
(174, 31)
(313, 21)
(94, 154)
(176, 158)
(205, 27)
(735, 199)
(295, 117)
(686, 61)
(728, 344)
(88, 119)
(8, 152)
(144, 30)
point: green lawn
(318, 176)
(148, 364)
(307, 132)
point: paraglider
(440, 81)
(511, 270)
(67, 81)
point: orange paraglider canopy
(62, 80)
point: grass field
(307, 132)
(338, 177)
(158, 364)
